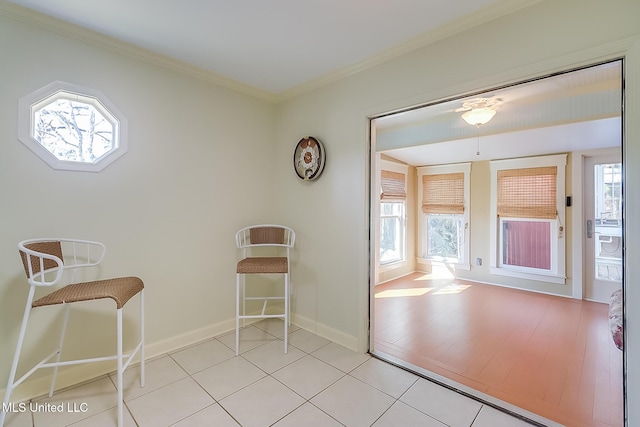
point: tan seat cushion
(120, 289)
(257, 265)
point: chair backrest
(35, 252)
(265, 235)
(43, 259)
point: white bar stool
(44, 261)
(264, 236)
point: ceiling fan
(475, 103)
(479, 110)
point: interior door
(603, 227)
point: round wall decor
(308, 158)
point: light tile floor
(317, 383)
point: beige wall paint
(547, 37)
(169, 216)
(198, 168)
(506, 50)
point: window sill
(441, 262)
(392, 266)
(560, 280)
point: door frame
(578, 239)
(610, 154)
(576, 189)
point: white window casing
(556, 272)
(32, 104)
(403, 169)
(463, 262)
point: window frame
(553, 236)
(402, 221)
(403, 169)
(464, 262)
(557, 273)
(60, 90)
(461, 239)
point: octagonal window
(72, 128)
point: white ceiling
(582, 136)
(278, 48)
(277, 45)
(573, 111)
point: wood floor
(552, 356)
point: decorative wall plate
(308, 158)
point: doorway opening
(459, 301)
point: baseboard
(192, 337)
(327, 332)
(74, 375)
(71, 376)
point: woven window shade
(392, 184)
(443, 193)
(527, 193)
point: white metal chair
(45, 261)
(249, 239)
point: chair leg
(290, 286)
(243, 293)
(16, 356)
(62, 334)
(289, 298)
(237, 314)
(119, 372)
(142, 338)
(286, 311)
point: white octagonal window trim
(72, 127)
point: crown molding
(49, 23)
(29, 16)
(495, 11)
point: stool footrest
(265, 300)
(44, 362)
(263, 316)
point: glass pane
(444, 233)
(391, 232)
(526, 244)
(389, 241)
(73, 131)
(388, 208)
(608, 221)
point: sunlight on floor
(410, 292)
(439, 271)
(451, 289)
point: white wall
(332, 213)
(197, 169)
(204, 161)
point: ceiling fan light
(479, 116)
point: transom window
(72, 128)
